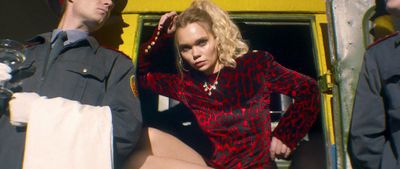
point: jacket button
(84, 70)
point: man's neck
(72, 25)
(69, 21)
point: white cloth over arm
(65, 134)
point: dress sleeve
(300, 115)
(151, 65)
(368, 124)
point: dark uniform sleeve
(367, 127)
(125, 107)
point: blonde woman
(228, 88)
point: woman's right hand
(279, 149)
(167, 22)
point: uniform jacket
(374, 140)
(83, 72)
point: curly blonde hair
(230, 43)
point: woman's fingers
(279, 149)
(284, 151)
(273, 148)
(166, 21)
(288, 152)
(172, 26)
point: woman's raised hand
(167, 22)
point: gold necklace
(208, 88)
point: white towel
(64, 134)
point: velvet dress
(236, 115)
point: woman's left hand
(167, 22)
(279, 149)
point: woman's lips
(200, 63)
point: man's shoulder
(114, 52)
(386, 54)
(37, 40)
(385, 50)
(115, 58)
(389, 41)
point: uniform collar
(46, 38)
(73, 35)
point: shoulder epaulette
(34, 41)
(30, 44)
(382, 39)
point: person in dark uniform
(82, 77)
(374, 140)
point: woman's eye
(203, 43)
(184, 49)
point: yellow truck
(323, 39)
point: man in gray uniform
(374, 140)
(81, 72)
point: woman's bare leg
(157, 149)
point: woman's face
(198, 47)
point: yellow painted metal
(135, 8)
(325, 76)
(324, 71)
(321, 19)
(130, 35)
(287, 6)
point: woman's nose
(195, 53)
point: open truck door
(294, 31)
